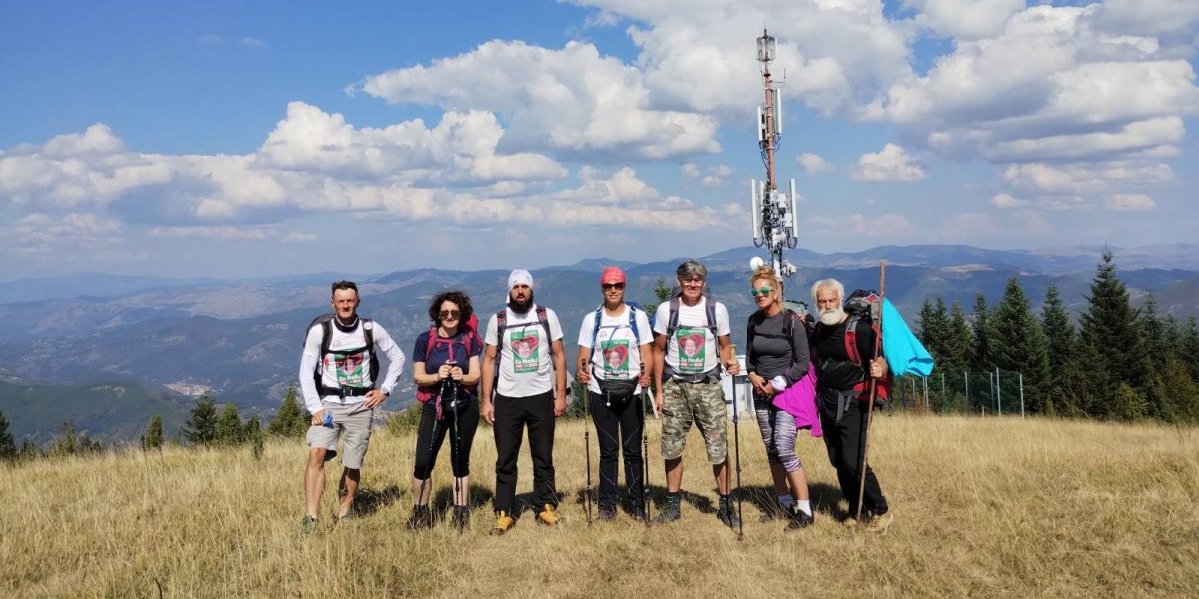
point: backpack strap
(368, 334)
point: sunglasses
(760, 291)
(450, 314)
(610, 286)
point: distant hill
(113, 410)
(242, 339)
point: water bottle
(328, 419)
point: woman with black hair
(445, 365)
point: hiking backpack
(326, 322)
(672, 323)
(620, 390)
(865, 304)
(501, 324)
(469, 340)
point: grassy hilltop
(984, 507)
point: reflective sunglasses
(610, 286)
(760, 291)
(450, 314)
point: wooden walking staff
(730, 359)
(878, 344)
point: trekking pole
(455, 448)
(587, 443)
(736, 446)
(644, 456)
(878, 343)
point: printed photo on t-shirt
(693, 345)
(526, 350)
(351, 368)
(616, 359)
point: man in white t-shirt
(524, 364)
(691, 334)
(340, 384)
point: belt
(344, 392)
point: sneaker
(461, 517)
(670, 509)
(503, 522)
(421, 518)
(308, 525)
(879, 523)
(606, 512)
(548, 516)
(727, 512)
(350, 515)
(799, 519)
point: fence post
(924, 383)
(966, 378)
(1021, 379)
(943, 390)
(998, 392)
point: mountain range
(240, 339)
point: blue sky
(237, 139)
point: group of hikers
(514, 376)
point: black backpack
(326, 322)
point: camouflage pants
(699, 403)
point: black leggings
(622, 420)
(432, 433)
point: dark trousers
(845, 440)
(432, 433)
(511, 416)
(619, 426)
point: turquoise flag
(904, 353)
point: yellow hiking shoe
(548, 516)
(879, 523)
(503, 522)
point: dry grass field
(984, 507)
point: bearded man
(842, 391)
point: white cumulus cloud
(814, 164)
(1130, 202)
(889, 164)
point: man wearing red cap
(621, 335)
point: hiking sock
(804, 505)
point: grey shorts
(351, 422)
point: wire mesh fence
(998, 392)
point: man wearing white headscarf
(529, 389)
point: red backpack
(865, 304)
(470, 340)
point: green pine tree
(200, 428)
(254, 436)
(290, 419)
(981, 358)
(934, 330)
(229, 426)
(1128, 403)
(1061, 340)
(29, 451)
(1018, 344)
(1109, 327)
(958, 343)
(154, 436)
(8, 446)
(1179, 392)
(1188, 345)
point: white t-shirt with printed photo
(526, 360)
(692, 349)
(619, 353)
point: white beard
(832, 317)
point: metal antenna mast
(773, 217)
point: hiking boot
(308, 525)
(503, 522)
(670, 509)
(606, 512)
(548, 516)
(879, 523)
(727, 512)
(799, 519)
(350, 515)
(849, 522)
(421, 518)
(461, 517)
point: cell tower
(772, 214)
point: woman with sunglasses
(622, 330)
(775, 361)
(445, 365)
